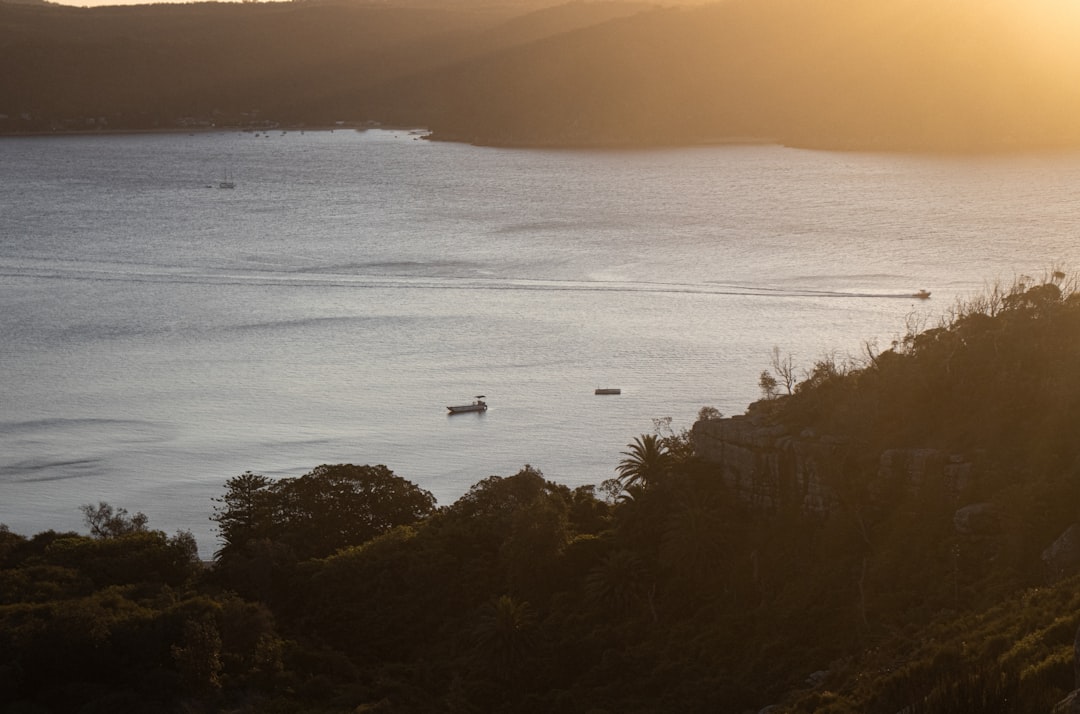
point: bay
(161, 335)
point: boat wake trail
(310, 279)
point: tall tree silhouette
(647, 462)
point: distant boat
(227, 180)
(607, 390)
(922, 295)
(478, 406)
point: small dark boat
(607, 390)
(478, 406)
(922, 295)
(227, 180)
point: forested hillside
(913, 74)
(349, 589)
(230, 64)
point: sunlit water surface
(161, 335)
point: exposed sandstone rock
(1062, 557)
(1068, 705)
(978, 519)
(770, 468)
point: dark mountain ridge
(913, 74)
(836, 73)
(147, 66)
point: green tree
(141, 557)
(679, 445)
(246, 513)
(693, 543)
(537, 537)
(647, 462)
(505, 634)
(508, 532)
(10, 543)
(382, 600)
(768, 384)
(621, 583)
(341, 505)
(332, 507)
(198, 657)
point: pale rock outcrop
(1068, 705)
(978, 519)
(771, 469)
(765, 465)
(1062, 557)
(916, 469)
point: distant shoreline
(430, 136)
(597, 145)
(190, 130)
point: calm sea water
(161, 335)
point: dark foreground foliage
(347, 590)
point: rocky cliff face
(772, 469)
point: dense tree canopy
(329, 508)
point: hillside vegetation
(349, 590)
(912, 74)
(230, 64)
